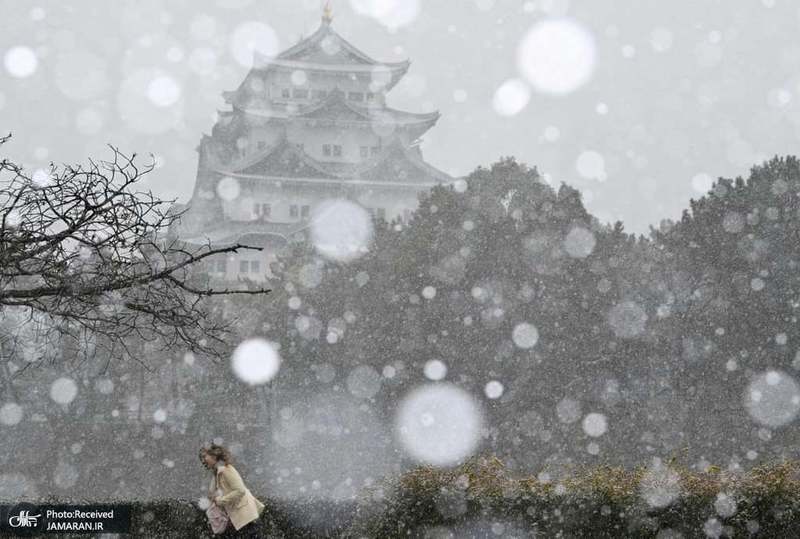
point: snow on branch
(86, 248)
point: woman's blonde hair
(217, 451)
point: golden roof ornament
(327, 14)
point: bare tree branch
(90, 254)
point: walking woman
(228, 491)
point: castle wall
(277, 81)
(280, 200)
(393, 202)
(350, 140)
(262, 137)
(248, 263)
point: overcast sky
(651, 99)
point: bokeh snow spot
(163, 91)
(525, 335)
(10, 414)
(627, 319)
(725, 505)
(660, 484)
(493, 389)
(255, 361)
(251, 37)
(20, 61)
(557, 55)
(591, 165)
(773, 398)
(228, 188)
(439, 424)
(63, 390)
(341, 230)
(364, 382)
(579, 242)
(595, 424)
(435, 369)
(391, 13)
(702, 183)
(568, 410)
(511, 97)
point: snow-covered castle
(307, 125)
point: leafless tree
(86, 256)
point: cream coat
(242, 507)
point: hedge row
(481, 498)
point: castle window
(337, 150)
(355, 96)
(255, 266)
(319, 94)
(375, 150)
(305, 210)
(382, 213)
(326, 150)
(243, 265)
(285, 93)
(293, 210)
(300, 93)
(221, 265)
(371, 211)
(262, 209)
(370, 97)
(364, 152)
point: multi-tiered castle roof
(308, 124)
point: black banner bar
(28, 519)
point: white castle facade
(305, 126)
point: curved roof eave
(280, 143)
(397, 145)
(366, 112)
(323, 31)
(263, 62)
